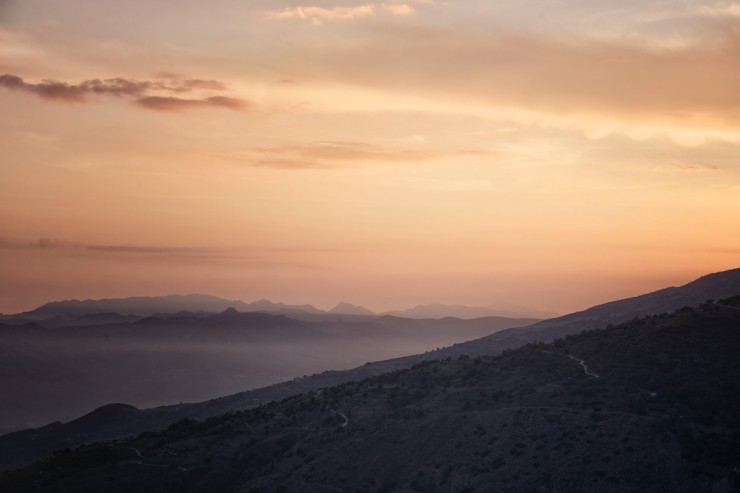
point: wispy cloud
(254, 256)
(145, 93)
(352, 151)
(290, 164)
(146, 249)
(324, 155)
(165, 252)
(124, 251)
(621, 84)
(399, 8)
(694, 168)
(318, 15)
(729, 9)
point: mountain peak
(345, 308)
(230, 314)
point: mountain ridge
(68, 310)
(344, 308)
(150, 305)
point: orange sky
(554, 154)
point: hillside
(650, 405)
(714, 286)
(709, 287)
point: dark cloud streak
(173, 104)
(54, 246)
(141, 91)
(146, 249)
(41, 243)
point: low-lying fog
(63, 373)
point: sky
(548, 153)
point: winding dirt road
(346, 419)
(583, 364)
(575, 358)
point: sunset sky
(550, 153)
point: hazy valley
(81, 355)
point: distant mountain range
(343, 308)
(150, 305)
(17, 448)
(63, 312)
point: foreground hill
(650, 405)
(710, 287)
